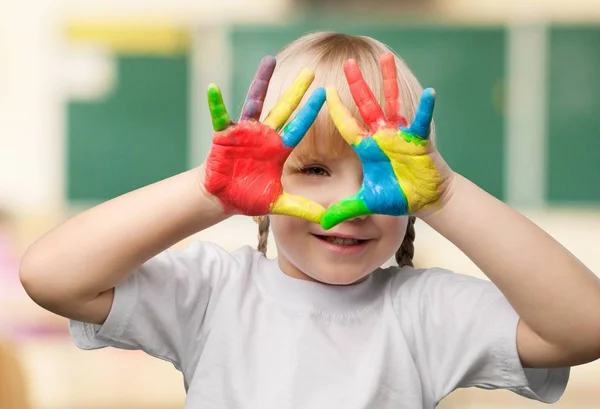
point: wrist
(206, 196)
(448, 192)
(204, 205)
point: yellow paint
(344, 121)
(290, 100)
(298, 206)
(131, 38)
(414, 168)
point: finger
(422, 123)
(350, 129)
(297, 128)
(218, 111)
(298, 206)
(343, 210)
(367, 104)
(255, 99)
(290, 100)
(391, 91)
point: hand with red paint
(244, 166)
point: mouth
(341, 241)
(346, 246)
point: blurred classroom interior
(100, 97)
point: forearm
(96, 249)
(551, 290)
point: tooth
(341, 241)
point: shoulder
(435, 286)
(409, 278)
(205, 253)
(200, 261)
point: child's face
(303, 250)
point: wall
(32, 77)
(515, 10)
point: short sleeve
(463, 333)
(162, 307)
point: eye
(314, 170)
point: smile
(343, 245)
(340, 241)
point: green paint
(344, 210)
(414, 139)
(218, 111)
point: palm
(243, 168)
(399, 172)
(251, 177)
(378, 180)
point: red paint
(365, 100)
(391, 90)
(367, 104)
(243, 168)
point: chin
(340, 277)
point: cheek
(393, 230)
(284, 228)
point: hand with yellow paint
(244, 166)
(402, 171)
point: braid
(406, 252)
(263, 233)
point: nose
(343, 189)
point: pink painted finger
(390, 90)
(367, 104)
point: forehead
(322, 141)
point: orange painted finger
(390, 89)
(367, 104)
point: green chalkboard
(464, 64)
(574, 116)
(135, 135)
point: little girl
(323, 326)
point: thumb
(343, 210)
(298, 206)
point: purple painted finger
(255, 98)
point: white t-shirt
(245, 335)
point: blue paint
(297, 127)
(381, 190)
(421, 126)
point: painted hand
(243, 168)
(400, 174)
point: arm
(73, 269)
(555, 295)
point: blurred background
(99, 97)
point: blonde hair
(325, 53)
